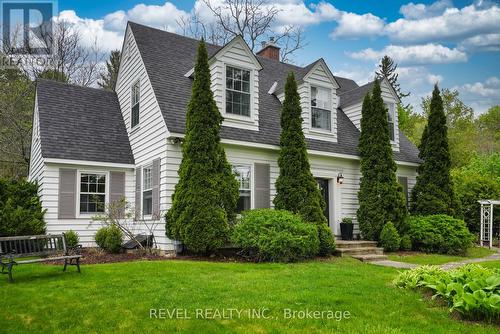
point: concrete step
(370, 257)
(360, 251)
(342, 244)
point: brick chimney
(270, 50)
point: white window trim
(148, 165)
(252, 187)
(392, 105)
(238, 118)
(137, 126)
(318, 130)
(78, 185)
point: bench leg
(9, 268)
(65, 264)
(78, 264)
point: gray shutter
(156, 187)
(262, 197)
(67, 193)
(138, 189)
(116, 186)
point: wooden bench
(47, 247)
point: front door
(324, 187)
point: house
(91, 147)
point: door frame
(334, 194)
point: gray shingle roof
(168, 57)
(355, 95)
(81, 123)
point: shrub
(109, 238)
(72, 239)
(405, 243)
(275, 235)
(326, 242)
(389, 238)
(471, 290)
(21, 211)
(439, 234)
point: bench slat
(49, 259)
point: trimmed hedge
(109, 238)
(389, 238)
(439, 234)
(405, 243)
(72, 239)
(275, 235)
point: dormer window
(390, 120)
(321, 108)
(237, 91)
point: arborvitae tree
(54, 75)
(296, 189)
(387, 69)
(205, 198)
(381, 198)
(433, 192)
(108, 79)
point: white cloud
(413, 55)
(361, 75)
(453, 24)
(488, 42)
(417, 11)
(353, 25)
(481, 95)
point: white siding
(85, 228)
(354, 112)
(236, 55)
(36, 159)
(148, 140)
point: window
(403, 181)
(135, 99)
(147, 191)
(242, 174)
(92, 193)
(321, 117)
(390, 119)
(237, 91)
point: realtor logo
(27, 26)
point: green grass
(491, 264)
(117, 298)
(423, 258)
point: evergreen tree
(296, 189)
(108, 79)
(381, 198)
(205, 198)
(387, 68)
(433, 192)
(54, 75)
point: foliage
(109, 238)
(405, 243)
(439, 234)
(54, 75)
(389, 238)
(347, 220)
(108, 78)
(275, 235)
(21, 211)
(204, 200)
(433, 191)
(17, 94)
(471, 290)
(412, 124)
(296, 189)
(488, 128)
(72, 239)
(381, 197)
(478, 180)
(388, 69)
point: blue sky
(455, 43)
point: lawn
(490, 264)
(423, 258)
(118, 297)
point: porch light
(340, 178)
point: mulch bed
(96, 256)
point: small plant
(389, 238)
(405, 243)
(276, 236)
(72, 239)
(109, 238)
(347, 220)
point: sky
(453, 43)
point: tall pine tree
(205, 198)
(296, 189)
(108, 79)
(387, 68)
(381, 198)
(433, 192)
